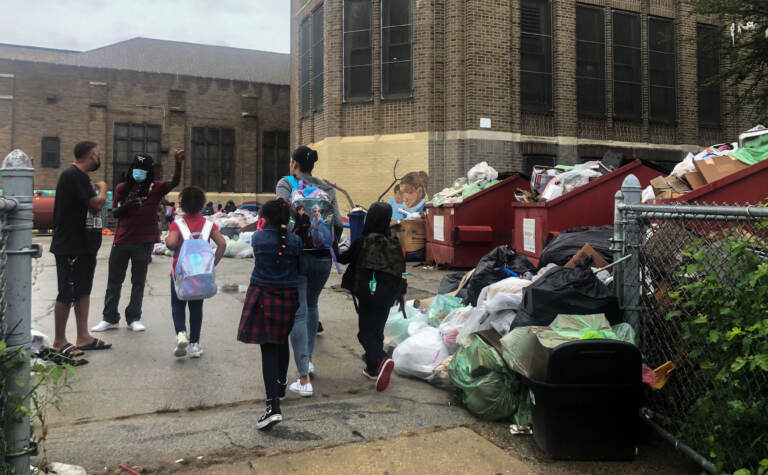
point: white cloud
(88, 24)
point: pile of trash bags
(505, 296)
(479, 177)
(238, 243)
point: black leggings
(274, 366)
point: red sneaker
(385, 372)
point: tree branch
(394, 174)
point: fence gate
(697, 285)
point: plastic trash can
(588, 407)
(460, 234)
(356, 221)
(535, 224)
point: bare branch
(394, 175)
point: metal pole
(630, 297)
(18, 175)
(617, 245)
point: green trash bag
(441, 307)
(490, 391)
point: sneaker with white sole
(104, 326)
(195, 351)
(181, 345)
(311, 368)
(271, 417)
(370, 376)
(303, 390)
(136, 326)
(385, 372)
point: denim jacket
(266, 271)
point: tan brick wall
(90, 101)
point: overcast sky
(86, 24)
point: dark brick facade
(467, 67)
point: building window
(536, 56)
(530, 161)
(396, 48)
(318, 17)
(358, 49)
(304, 68)
(275, 158)
(133, 139)
(213, 158)
(50, 151)
(708, 59)
(627, 72)
(661, 69)
(590, 60)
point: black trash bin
(588, 407)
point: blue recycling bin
(356, 221)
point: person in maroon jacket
(135, 205)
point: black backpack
(381, 258)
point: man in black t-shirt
(76, 240)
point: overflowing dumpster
(747, 186)
(459, 234)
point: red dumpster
(535, 224)
(459, 234)
(747, 186)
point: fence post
(617, 245)
(630, 274)
(18, 175)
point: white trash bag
(420, 354)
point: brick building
(443, 84)
(228, 107)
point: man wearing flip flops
(76, 240)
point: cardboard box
(668, 195)
(695, 179)
(587, 250)
(412, 234)
(672, 183)
(714, 168)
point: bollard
(630, 295)
(18, 176)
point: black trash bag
(450, 282)
(574, 291)
(490, 270)
(614, 160)
(560, 250)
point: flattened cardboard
(661, 184)
(714, 168)
(587, 250)
(695, 179)
(412, 235)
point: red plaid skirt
(268, 315)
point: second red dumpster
(745, 187)
(535, 224)
(459, 234)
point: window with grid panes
(662, 87)
(708, 59)
(536, 55)
(627, 72)
(396, 48)
(590, 60)
(358, 49)
(134, 139)
(304, 79)
(275, 159)
(50, 149)
(213, 158)
(318, 17)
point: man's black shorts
(75, 274)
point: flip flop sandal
(96, 344)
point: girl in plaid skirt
(271, 302)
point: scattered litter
(520, 430)
(180, 461)
(64, 469)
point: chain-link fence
(3, 293)
(698, 282)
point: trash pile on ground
(709, 165)
(479, 177)
(495, 332)
(231, 226)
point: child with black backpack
(376, 278)
(271, 302)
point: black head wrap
(378, 218)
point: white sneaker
(311, 368)
(137, 326)
(104, 326)
(303, 390)
(181, 345)
(195, 351)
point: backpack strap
(183, 228)
(205, 234)
(293, 181)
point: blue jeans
(314, 272)
(179, 314)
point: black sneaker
(271, 417)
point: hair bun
(312, 156)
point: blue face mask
(139, 175)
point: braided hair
(278, 213)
